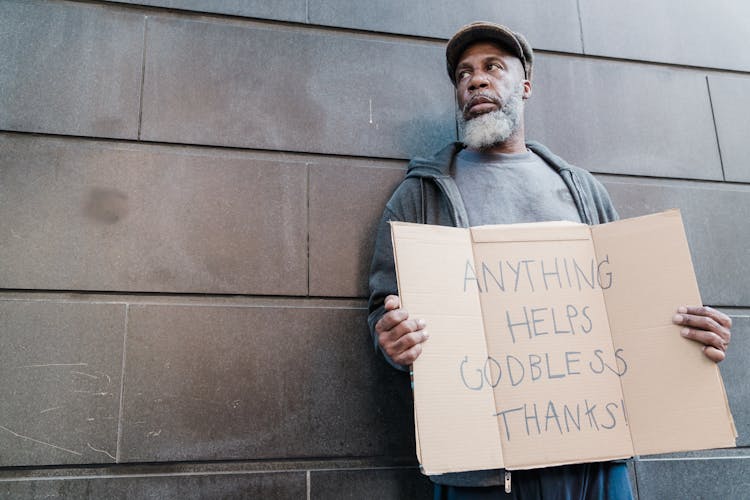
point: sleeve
(382, 279)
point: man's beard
(493, 128)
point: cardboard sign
(552, 343)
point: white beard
(493, 128)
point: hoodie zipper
(507, 481)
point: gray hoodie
(429, 195)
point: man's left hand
(707, 326)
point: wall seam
(695, 459)
(197, 473)
(207, 16)
(143, 77)
(580, 25)
(636, 459)
(716, 129)
(307, 224)
(122, 385)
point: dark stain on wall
(107, 206)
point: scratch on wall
(40, 442)
(53, 364)
(101, 451)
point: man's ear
(526, 89)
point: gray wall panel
(259, 382)
(271, 486)
(283, 10)
(214, 83)
(346, 203)
(83, 215)
(288, 124)
(731, 102)
(624, 118)
(547, 25)
(374, 484)
(734, 373)
(704, 479)
(60, 366)
(712, 214)
(70, 68)
(710, 34)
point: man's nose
(478, 81)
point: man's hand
(400, 337)
(707, 326)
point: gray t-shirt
(509, 188)
(506, 189)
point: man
(494, 176)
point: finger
(714, 354)
(391, 319)
(703, 323)
(392, 302)
(712, 313)
(704, 337)
(406, 342)
(409, 356)
(406, 327)
(390, 340)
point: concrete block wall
(188, 191)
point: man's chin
(487, 130)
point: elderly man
(494, 176)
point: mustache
(483, 97)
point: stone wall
(188, 191)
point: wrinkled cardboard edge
(612, 341)
(417, 446)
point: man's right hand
(399, 336)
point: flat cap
(486, 31)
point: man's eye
(493, 66)
(462, 74)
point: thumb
(392, 302)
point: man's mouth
(480, 104)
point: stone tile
(60, 365)
(712, 212)
(624, 118)
(346, 203)
(205, 383)
(547, 25)
(691, 33)
(734, 373)
(282, 10)
(271, 486)
(731, 102)
(70, 68)
(394, 484)
(217, 83)
(85, 215)
(706, 479)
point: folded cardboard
(553, 343)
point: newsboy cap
(485, 31)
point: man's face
(486, 77)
